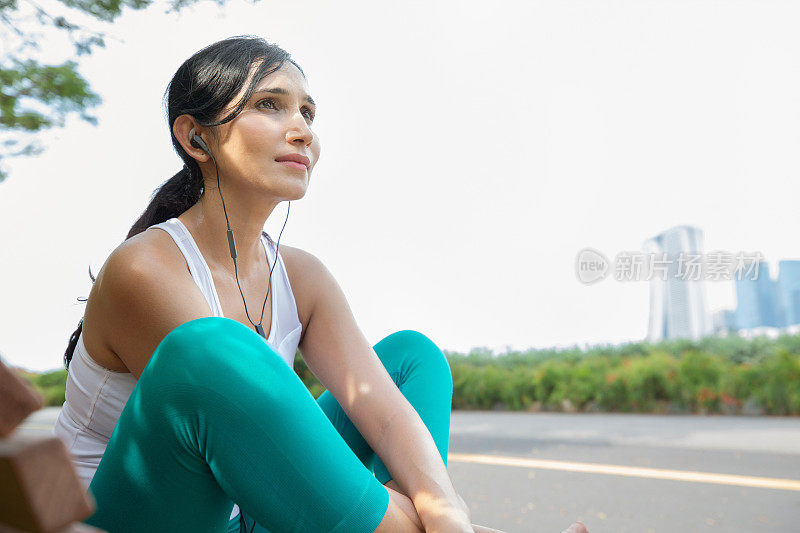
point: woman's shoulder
(152, 247)
(145, 254)
(294, 256)
(149, 255)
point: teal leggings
(218, 417)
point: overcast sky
(470, 150)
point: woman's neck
(206, 222)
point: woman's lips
(294, 164)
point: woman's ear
(184, 128)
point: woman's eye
(307, 112)
(266, 100)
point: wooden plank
(39, 488)
(18, 399)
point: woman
(191, 404)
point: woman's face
(274, 124)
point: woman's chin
(296, 193)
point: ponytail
(171, 199)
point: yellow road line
(630, 471)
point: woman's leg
(218, 417)
(421, 372)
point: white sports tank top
(95, 395)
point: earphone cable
(277, 247)
(232, 245)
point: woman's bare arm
(337, 352)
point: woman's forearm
(409, 453)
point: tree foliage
(35, 96)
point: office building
(757, 301)
(677, 303)
(788, 291)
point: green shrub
(519, 389)
(707, 376)
(697, 383)
(51, 385)
(649, 380)
(552, 379)
(586, 378)
(780, 376)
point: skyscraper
(677, 302)
(757, 302)
(788, 289)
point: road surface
(538, 472)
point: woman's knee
(414, 348)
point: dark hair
(202, 87)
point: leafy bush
(780, 384)
(51, 385)
(712, 375)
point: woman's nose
(298, 130)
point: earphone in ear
(197, 141)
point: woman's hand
(447, 523)
(445, 515)
(577, 527)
